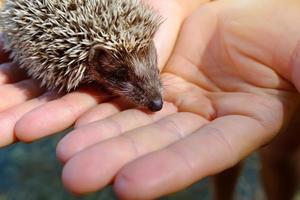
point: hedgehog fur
(52, 39)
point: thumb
(173, 13)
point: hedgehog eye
(120, 74)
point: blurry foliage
(32, 172)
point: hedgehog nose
(155, 105)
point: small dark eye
(120, 74)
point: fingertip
(54, 116)
(76, 177)
(80, 139)
(62, 150)
(123, 187)
(127, 186)
(82, 174)
(7, 135)
(43, 121)
(33, 125)
(150, 177)
(134, 182)
(70, 145)
(69, 179)
(24, 130)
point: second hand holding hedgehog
(67, 43)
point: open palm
(28, 112)
(228, 90)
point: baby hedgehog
(66, 43)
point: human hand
(29, 113)
(229, 81)
(19, 95)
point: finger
(56, 115)
(101, 111)
(107, 157)
(173, 14)
(246, 121)
(14, 94)
(10, 73)
(196, 35)
(9, 117)
(113, 126)
(165, 37)
(212, 149)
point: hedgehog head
(134, 75)
(66, 43)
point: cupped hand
(229, 84)
(29, 113)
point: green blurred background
(31, 172)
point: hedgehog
(64, 44)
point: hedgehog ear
(98, 55)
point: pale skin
(29, 113)
(230, 85)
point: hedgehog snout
(150, 99)
(155, 105)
